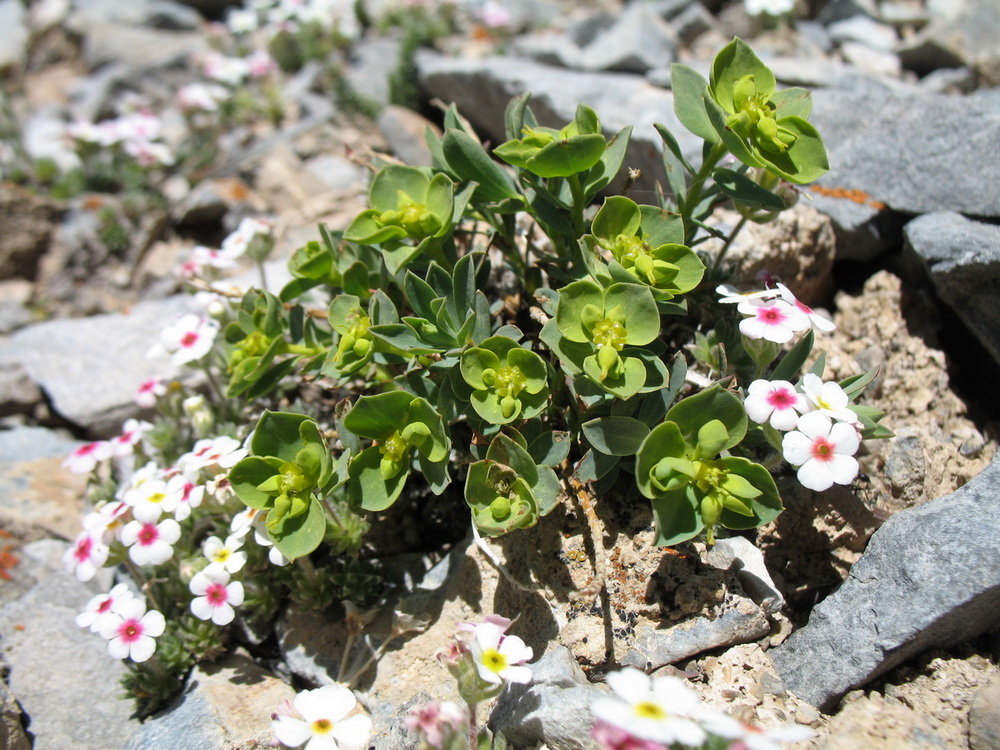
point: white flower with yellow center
(323, 725)
(500, 658)
(225, 554)
(651, 709)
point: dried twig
(590, 592)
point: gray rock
(838, 10)
(984, 717)
(914, 154)
(930, 578)
(28, 222)
(742, 556)
(553, 709)
(226, 704)
(637, 41)
(965, 38)
(15, 296)
(373, 61)
(865, 30)
(741, 621)
(405, 131)
(140, 48)
(691, 23)
(862, 231)
(337, 173)
(14, 40)
(91, 367)
(389, 730)
(816, 73)
(871, 60)
(62, 675)
(154, 14)
(12, 736)
(963, 258)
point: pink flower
(85, 458)
(215, 595)
(823, 451)
(773, 320)
(749, 737)
(102, 607)
(132, 631)
(149, 391)
(815, 319)
(87, 554)
(776, 402)
(729, 294)
(132, 432)
(183, 495)
(612, 737)
(189, 339)
(151, 543)
(436, 721)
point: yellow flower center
(494, 661)
(649, 710)
(322, 726)
(610, 333)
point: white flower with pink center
(215, 595)
(225, 554)
(498, 657)
(183, 495)
(87, 554)
(325, 724)
(131, 436)
(189, 339)
(774, 320)
(218, 453)
(816, 320)
(751, 737)
(149, 153)
(149, 391)
(102, 608)
(775, 402)
(151, 543)
(251, 235)
(201, 97)
(823, 450)
(132, 631)
(85, 458)
(106, 521)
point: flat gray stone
(553, 709)
(913, 154)
(963, 258)
(930, 578)
(14, 40)
(91, 367)
(61, 674)
(226, 704)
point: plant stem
(725, 248)
(694, 193)
(143, 582)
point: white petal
(321, 742)
(845, 439)
(843, 469)
(673, 694)
(815, 424)
(487, 636)
(612, 711)
(201, 608)
(118, 648)
(331, 702)
(785, 419)
(236, 593)
(199, 583)
(290, 731)
(223, 614)
(142, 649)
(687, 732)
(153, 623)
(758, 409)
(133, 608)
(519, 674)
(815, 475)
(353, 731)
(170, 531)
(515, 650)
(632, 685)
(796, 448)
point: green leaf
(618, 215)
(615, 436)
(855, 384)
(689, 88)
(367, 489)
(712, 436)
(297, 536)
(378, 417)
(278, 434)
(248, 474)
(742, 189)
(664, 441)
(661, 227)
(734, 61)
(805, 160)
(470, 161)
(677, 518)
(550, 448)
(714, 403)
(792, 362)
(514, 115)
(602, 173)
(567, 157)
(765, 507)
(642, 321)
(506, 451)
(792, 102)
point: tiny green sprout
(289, 466)
(692, 487)
(607, 321)
(509, 382)
(356, 346)
(761, 126)
(403, 427)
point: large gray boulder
(962, 257)
(930, 578)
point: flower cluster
(136, 134)
(773, 314)
(253, 238)
(654, 713)
(121, 618)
